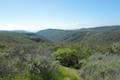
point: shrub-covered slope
(98, 35)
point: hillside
(35, 37)
(53, 34)
(9, 37)
(100, 35)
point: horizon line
(57, 28)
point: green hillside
(16, 37)
(98, 35)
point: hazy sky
(35, 15)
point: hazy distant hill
(53, 34)
(35, 37)
(20, 31)
(12, 37)
(99, 35)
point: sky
(35, 15)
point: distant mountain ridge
(20, 37)
(20, 31)
(100, 35)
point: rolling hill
(98, 35)
(11, 37)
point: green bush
(40, 68)
(67, 57)
(3, 48)
(115, 48)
